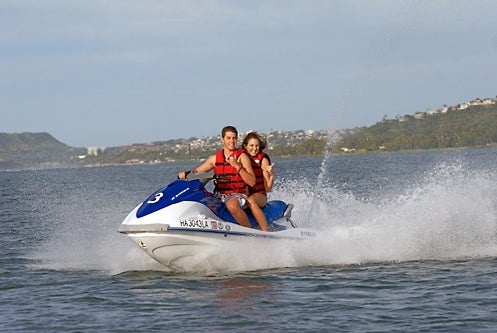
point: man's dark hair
(229, 129)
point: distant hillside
(41, 150)
(28, 141)
(280, 144)
(471, 124)
(34, 150)
(474, 125)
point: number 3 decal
(156, 199)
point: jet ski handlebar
(205, 177)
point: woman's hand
(269, 169)
(234, 163)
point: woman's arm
(244, 167)
(268, 173)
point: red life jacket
(259, 176)
(223, 168)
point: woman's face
(252, 147)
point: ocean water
(408, 243)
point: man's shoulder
(214, 156)
(239, 151)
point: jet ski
(184, 219)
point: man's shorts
(242, 198)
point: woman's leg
(255, 202)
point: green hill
(475, 126)
(41, 150)
(29, 150)
(471, 124)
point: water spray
(331, 139)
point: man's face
(229, 140)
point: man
(235, 164)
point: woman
(254, 145)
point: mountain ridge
(42, 150)
(471, 124)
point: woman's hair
(255, 135)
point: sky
(117, 72)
